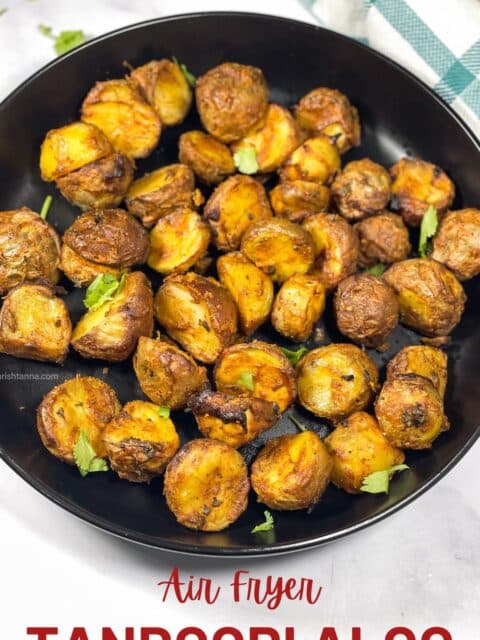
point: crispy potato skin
(233, 420)
(416, 185)
(167, 375)
(410, 413)
(431, 298)
(359, 448)
(231, 99)
(35, 324)
(279, 247)
(336, 380)
(316, 160)
(336, 247)
(251, 289)
(296, 199)
(366, 309)
(29, 249)
(78, 404)
(272, 374)
(209, 159)
(111, 332)
(457, 243)
(329, 111)
(198, 313)
(98, 185)
(362, 189)
(298, 306)
(292, 472)
(139, 443)
(421, 360)
(383, 239)
(178, 241)
(83, 272)
(206, 485)
(233, 207)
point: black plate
(399, 116)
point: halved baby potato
(316, 160)
(209, 159)
(422, 360)
(295, 199)
(298, 306)
(83, 272)
(384, 239)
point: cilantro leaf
(376, 269)
(45, 31)
(65, 40)
(297, 423)
(246, 160)
(164, 412)
(46, 207)
(189, 77)
(85, 457)
(294, 356)
(246, 380)
(379, 481)
(103, 288)
(428, 228)
(268, 525)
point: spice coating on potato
(209, 159)
(298, 306)
(292, 471)
(422, 360)
(383, 239)
(297, 198)
(257, 369)
(457, 243)
(231, 99)
(83, 272)
(206, 485)
(198, 313)
(359, 448)
(336, 380)
(140, 443)
(316, 160)
(431, 298)
(167, 375)
(35, 324)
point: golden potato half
(296, 199)
(383, 239)
(422, 360)
(83, 272)
(316, 160)
(209, 159)
(457, 243)
(206, 485)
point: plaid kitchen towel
(437, 40)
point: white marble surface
(421, 567)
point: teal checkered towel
(437, 40)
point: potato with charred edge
(316, 160)
(422, 360)
(292, 472)
(335, 246)
(366, 309)
(111, 331)
(233, 207)
(167, 375)
(279, 247)
(29, 249)
(410, 412)
(431, 298)
(457, 243)
(206, 485)
(231, 99)
(359, 448)
(362, 189)
(139, 442)
(336, 380)
(209, 159)
(198, 313)
(251, 289)
(34, 324)
(329, 111)
(416, 185)
(256, 369)
(383, 239)
(79, 404)
(298, 306)
(233, 420)
(296, 199)
(83, 272)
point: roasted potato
(366, 309)
(111, 331)
(198, 313)
(209, 159)
(231, 99)
(139, 442)
(329, 111)
(359, 448)
(416, 185)
(257, 369)
(409, 411)
(421, 360)
(292, 471)
(83, 272)
(431, 298)
(234, 420)
(335, 246)
(383, 239)
(167, 375)
(206, 485)
(251, 289)
(35, 324)
(78, 404)
(233, 207)
(362, 189)
(279, 247)
(298, 306)
(297, 198)
(457, 243)
(336, 380)
(29, 249)
(316, 160)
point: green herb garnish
(65, 40)
(103, 288)
(297, 423)
(85, 457)
(268, 525)
(246, 160)
(428, 228)
(294, 356)
(246, 380)
(189, 77)
(45, 207)
(164, 412)
(376, 269)
(379, 481)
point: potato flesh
(422, 360)
(316, 160)
(83, 272)
(298, 306)
(297, 198)
(209, 159)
